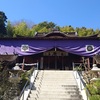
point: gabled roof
(94, 35)
(65, 35)
(56, 34)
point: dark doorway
(56, 59)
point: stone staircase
(55, 85)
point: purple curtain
(7, 50)
(32, 50)
(79, 47)
(37, 46)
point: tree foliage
(67, 29)
(9, 29)
(44, 27)
(3, 20)
(22, 29)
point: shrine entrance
(56, 59)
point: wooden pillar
(48, 61)
(55, 61)
(41, 63)
(88, 63)
(62, 62)
(94, 61)
(23, 63)
(85, 63)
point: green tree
(47, 24)
(51, 25)
(3, 20)
(43, 30)
(9, 29)
(67, 29)
(83, 31)
(43, 27)
(21, 29)
(97, 31)
(90, 32)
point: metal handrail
(22, 92)
(82, 81)
(78, 64)
(26, 84)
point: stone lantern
(96, 70)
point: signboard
(55, 53)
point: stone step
(58, 92)
(62, 85)
(57, 72)
(58, 89)
(38, 79)
(60, 96)
(53, 90)
(55, 93)
(57, 79)
(38, 82)
(55, 85)
(58, 82)
(58, 76)
(56, 98)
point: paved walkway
(55, 85)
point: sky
(77, 13)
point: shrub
(78, 68)
(92, 89)
(94, 97)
